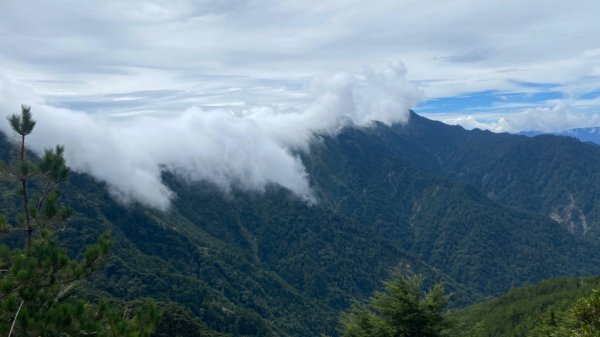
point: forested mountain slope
(370, 175)
(269, 264)
(555, 176)
(521, 310)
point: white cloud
(453, 47)
(468, 122)
(248, 149)
(112, 65)
(548, 119)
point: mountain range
(478, 211)
(589, 134)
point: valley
(474, 210)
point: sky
(238, 84)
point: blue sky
(485, 101)
(136, 80)
(483, 109)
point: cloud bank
(248, 148)
(557, 118)
(81, 54)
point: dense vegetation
(38, 281)
(552, 176)
(418, 197)
(402, 309)
(533, 310)
(370, 176)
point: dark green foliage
(247, 262)
(176, 321)
(401, 310)
(363, 174)
(521, 311)
(268, 264)
(548, 175)
(587, 314)
(22, 123)
(581, 319)
(38, 282)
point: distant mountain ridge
(479, 211)
(589, 134)
(554, 176)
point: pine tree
(401, 310)
(37, 281)
(587, 314)
(581, 320)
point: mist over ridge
(247, 149)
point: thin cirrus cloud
(452, 48)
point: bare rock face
(572, 218)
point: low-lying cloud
(247, 149)
(557, 118)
